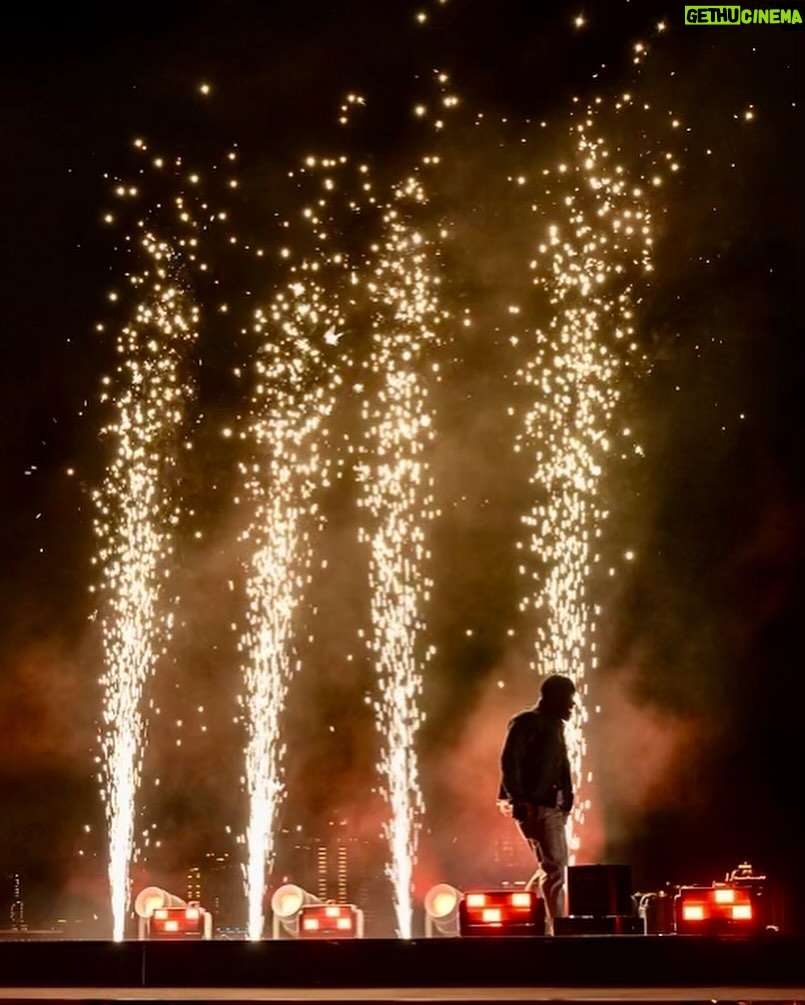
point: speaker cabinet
(614, 924)
(599, 891)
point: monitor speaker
(599, 890)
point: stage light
(714, 910)
(151, 898)
(441, 911)
(163, 915)
(191, 922)
(501, 912)
(765, 896)
(330, 921)
(741, 904)
(148, 900)
(286, 905)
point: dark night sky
(698, 747)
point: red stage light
(163, 915)
(719, 909)
(180, 923)
(501, 912)
(330, 921)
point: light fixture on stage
(501, 912)
(163, 915)
(765, 895)
(286, 905)
(330, 921)
(743, 903)
(716, 910)
(441, 911)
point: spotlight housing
(163, 915)
(287, 902)
(441, 911)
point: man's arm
(512, 786)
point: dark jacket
(534, 761)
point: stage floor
(768, 968)
(387, 996)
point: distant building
(217, 884)
(507, 861)
(340, 869)
(342, 874)
(193, 894)
(323, 867)
(17, 913)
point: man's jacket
(534, 761)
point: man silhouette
(536, 788)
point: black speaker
(613, 924)
(599, 890)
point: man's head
(557, 696)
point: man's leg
(531, 827)
(552, 852)
(536, 881)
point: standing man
(537, 790)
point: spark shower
(375, 316)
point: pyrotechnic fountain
(133, 525)
(586, 265)
(288, 410)
(138, 505)
(396, 481)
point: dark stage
(577, 968)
